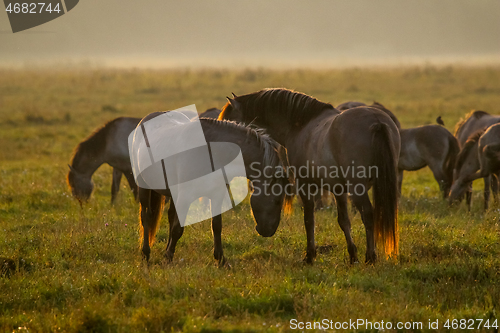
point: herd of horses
(281, 128)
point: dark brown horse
(480, 152)
(259, 152)
(107, 144)
(320, 141)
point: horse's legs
(175, 233)
(115, 184)
(171, 217)
(364, 205)
(217, 231)
(132, 184)
(442, 179)
(309, 225)
(468, 197)
(400, 180)
(345, 225)
(494, 185)
(318, 201)
(146, 221)
(487, 184)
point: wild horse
(474, 122)
(479, 158)
(258, 150)
(320, 141)
(107, 144)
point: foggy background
(225, 33)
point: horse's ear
(234, 95)
(233, 102)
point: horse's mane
(94, 144)
(267, 144)
(295, 107)
(476, 114)
(472, 140)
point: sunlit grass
(81, 270)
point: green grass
(75, 274)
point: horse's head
(466, 165)
(266, 206)
(457, 190)
(272, 191)
(231, 111)
(81, 185)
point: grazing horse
(480, 152)
(473, 122)
(107, 144)
(429, 145)
(320, 141)
(259, 153)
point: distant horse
(349, 105)
(429, 145)
(319, 139)
(259, 152)
(353, 104)
(210, 113)
(107, 144)
(480, 152)
(473, 122)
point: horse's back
(477, 121)
(352, 132)
(490, 136)
(424, 145)
(349, 105)
(116, 152)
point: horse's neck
(87, 164)
(283, 131)
(473, 160)
(250, 148)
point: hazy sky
(237, 31)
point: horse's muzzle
(266, 232)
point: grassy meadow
(80, 270)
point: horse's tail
(154, 212)
(451, 158)
(385, 190)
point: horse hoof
(169, 257)
(308, 260)
(354, 261)
(223, 263)
(370, 261)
